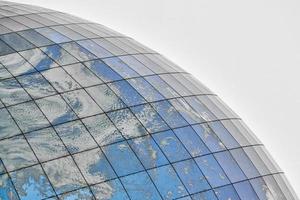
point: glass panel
(35, 38)
(127, 93)
(125, 121)
(31, 183)
(109, 46)
(139, 186)
(46, 144)
(261, 189)
(224, 135)
(94, 48)
(227, 192)
(78, 51)
(148, 152)
(5, 49)
(64, 175)
(28, 117)
(12, 93)
(102, 129)
(212, 171)
(245, 163)
(210, 139)
(94, 166)
(59, 55)
(245, 191)
(171, 146)
(16, 42)
(36, 85)
(162, 177)
(209, 195)
(68, 32)
(191, 176)
(169, 114)
(7, 190)
(229, 165)
(122, 158)
(83, 194)
(60, 80)
(75, 136)
(200, 108)
(16, 153)
(274, 188)
(8, 127)
(103, 71)
(191, 141)
(162, 86)
(145, 89)
(39, 60)
(178, 87)
(16, 65)
(81, 103)
(105, 98)
(56, 109)
(136, 65)
(82, 75)
(120, 67)
(149, 118)
(53, 35)
(186, 111)
(110, 190)
(4, 74)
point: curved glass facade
(88, 113)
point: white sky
(247, 52)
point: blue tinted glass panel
(169, 114)
(53, 35)
(230, 166)
(162, 177)
(7, 191)
(16, 65)
(110, 190)
(122, 159)
(120, 67)
(149, 118)
(84, 194)
(59, 55)
(75, 136)
(94, 48)
(5, 49)
(12, 93)
(128, 125)
(32, 183)
(227, 192)
(145, 89)
(148, 152)
(56, 109)
(210, 139)
(171, 146)
(16, 42)
(212, 171)
(224, 135)
(209, 195)
(103, 71)
(78, 51)
(245, 191)
(127, 93)
(191, 141)
(8, 127)
(35, 38)
(191, 176)
(139, 186)
(94, 166)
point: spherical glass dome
(88, 113)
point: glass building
(88, 113)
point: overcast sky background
(247, 52)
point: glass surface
(88, 113)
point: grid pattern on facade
(88, 113)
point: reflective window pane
(162, 177)
(122, 159)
